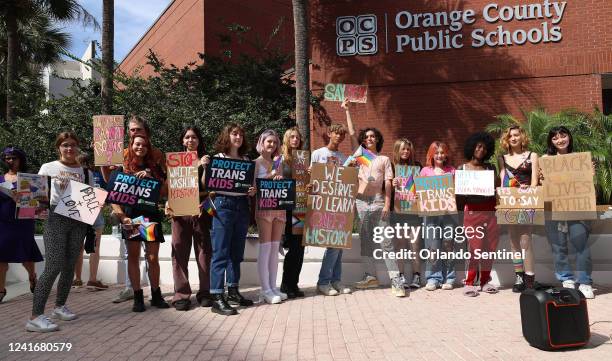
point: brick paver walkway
(367, 325)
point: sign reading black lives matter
(275, 194)
(229, 175)
(128, 190)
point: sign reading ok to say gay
(229, 175)
(128, 190)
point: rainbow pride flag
(147, 232)
(363, 156)
(409, 184)
(509, 180)
(209, 207)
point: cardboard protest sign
(299, 172)
(32, 196)
(353, 93)
(275, 194)
(108, 132)
(436, 195)
(229, 175)
(127, 190)
(330, 214)
(568, 184)
(183, 183)
(475, 182)
(404, 199)
(520, 206)
(81, 202)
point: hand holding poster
(32, 196)
(128, 190)
(108, 139)
(81, 202)
(275, 194)
(229, 175)
(183, 183)
(329, 219)
(568, 184)
(436, 195)
(353, 93)
(404, 201)
(520, 206)
(299, 172)
(475, 182)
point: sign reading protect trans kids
(443, 30)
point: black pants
(292, 265)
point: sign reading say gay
(229, 175)
(436, 195)
(520, 206)
(128, 190)
(351, 92)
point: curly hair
(379, 137)
(130, 163)
(472, 141)
(198, 134)
(433, 149)
(554, 131)
(20, 154)
(224, 145)
(505, 144)
(262, 138)
(286, 150)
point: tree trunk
(108, 25)
(302, 71)
(11, 62)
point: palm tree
(108, 24)
(15, 12)
(302, 71)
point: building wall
(446, 94)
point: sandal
(33, 283)
(470, 291)
(489, 288)
(2, 294)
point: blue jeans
(439, 270)
(331, 266)
(228, 236)
(578, 235)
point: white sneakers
(41, 323)
(64, 314)
(587, 291)
(280, 294)
(341, 289)
(368, 281)
(569, 284)
(327, 290)
(269, 297)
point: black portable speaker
(554, 318)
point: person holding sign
(270, 223)
(17, 244)
(186, 228)
(141, 164)
(229, 229)
(373, 203)
(560, 233)
(479, 211)
(403, 156)
(292, 264)
(63, 237)
(518, 168)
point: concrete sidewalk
(367, 325)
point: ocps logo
(356, 35)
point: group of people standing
(219, 241)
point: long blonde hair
(505, 144)
(286, 149)
(397, 147)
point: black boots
(220, 305)
(292, 292)
(519, 284)
(139, 305)
(235, 298)
(156, 298)
(529, 281)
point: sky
(132, 19)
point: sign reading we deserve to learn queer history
(275, 194)
(330, 214)
(127, 190)
(436, 195)
(475, 182)
(108, 132)
(568, 185)
(299, 172)
(353, 93)
(81, 202)
(405, 192)
(229, 175)
(520, 206)
(32, 196)
(183, 189)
